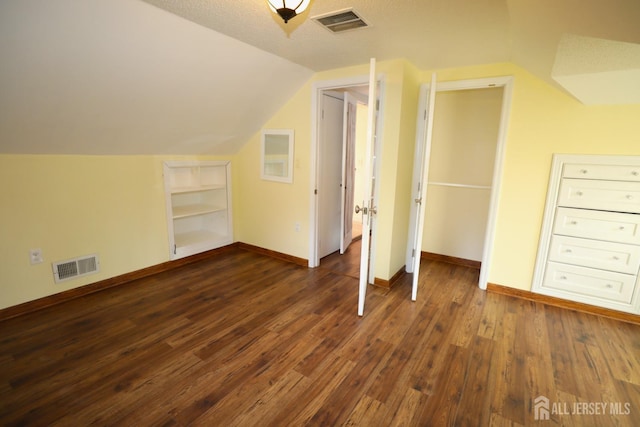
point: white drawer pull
(634, 173)
(583, 171)
(574, 223)
(621, 227)
(608, 286)
(629, 196)
(563, 277)
(578, 193)
(615, 258)
(568, 251)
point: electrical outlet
(35, 256)
(297, 227)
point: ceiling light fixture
(287, 9)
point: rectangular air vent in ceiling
(65, 270)
(342, 20)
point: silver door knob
(358, 209)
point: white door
(330, 175)
(421, 172)
(367, 208)
(348, 171)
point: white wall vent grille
(341, 20)
(68, 269)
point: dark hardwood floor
(243, 339)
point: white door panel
(423, 150)
(330, 176)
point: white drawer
(604, 195)
(610, 256)
(611, 226)
(589, 284)
(607, 172)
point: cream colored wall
(544, 120)
(70, 206)
(403, 148)
(267, 211)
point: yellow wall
(267, 211)
(70, 206)
(396, 178)
(544, 120)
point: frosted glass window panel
(276, 155)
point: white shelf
(178, 190)
(192, 210)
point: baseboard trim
(391, 282)
(450, 259)
(562, 303)
(273, 254)
(48, 301)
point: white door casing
(318, 88)
(507, 84)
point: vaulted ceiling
(202, 76)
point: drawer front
(610, 226)
(604, 195)
(609, 256)
(606, 172)
(589, 282)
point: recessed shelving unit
(198, 195)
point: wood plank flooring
(243, 339)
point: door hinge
(425, 115)
(413, 253)
(315, 191)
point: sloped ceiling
(202, 76)
(124, 77)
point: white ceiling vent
(341, 20)
(65, 270)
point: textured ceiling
(442, 33)
(432, 34)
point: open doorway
(460, 171)
(341, 144)
(331, 214)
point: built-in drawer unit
(590, 241)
